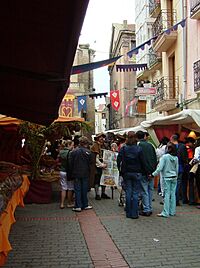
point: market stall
(182, 122)
(13, 187)
(41, 168)
(16, 168)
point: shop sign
(145, 91)
(142, 97)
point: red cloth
(168, 131)
(114, 97)
(40, 192)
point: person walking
(80, 161)
(147, 182)
(131, 165)
(168, 167)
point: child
(168, 167)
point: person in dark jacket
(131, 165)
(80, 161)
(147, 181)
(182, 162)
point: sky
(97, 29)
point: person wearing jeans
(168, 166)
(80, 189)
(132, 193)
(131, 165)
(147, 182)
(80, 162)
(147, 187)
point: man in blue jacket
(147, 181)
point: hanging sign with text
(145, 91)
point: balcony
(165, 20)
(154, 60)
(154, 8)
(197, 76)
(195, 9)
(167, 94)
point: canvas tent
(121, 131)
(182, 122)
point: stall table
(7, 218)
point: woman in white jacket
(168, 167)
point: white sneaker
(76, 209)
(88, 207)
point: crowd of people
(176, 164)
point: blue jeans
(132, 192)
(169, 208)
(178, 186)
(80, 189)
(146, 188)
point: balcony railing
(194, 7)
(165, 20)
(153, 58)
(153, 5)
(167, 89)
(197, 76)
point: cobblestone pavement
(46, 236)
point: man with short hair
(80, 161)
(147, 181)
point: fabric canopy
(167, 125)
(186, 118)
(37, 48)
(121, 131)
(5, 120)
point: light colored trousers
(169, 208)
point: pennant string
(110, 62)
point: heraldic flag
(114, 98)
(82, 104)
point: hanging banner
(148, 42)
(131, 67)
(114, 98)
(67, 106)
(131, 107)
(93, 65)
(110, 175)
(82, 103)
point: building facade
(122, 41)
(80, 85)
(100, 118)
(173, 56)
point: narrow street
(46, 236)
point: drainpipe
(184, 47)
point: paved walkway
(45, 236)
